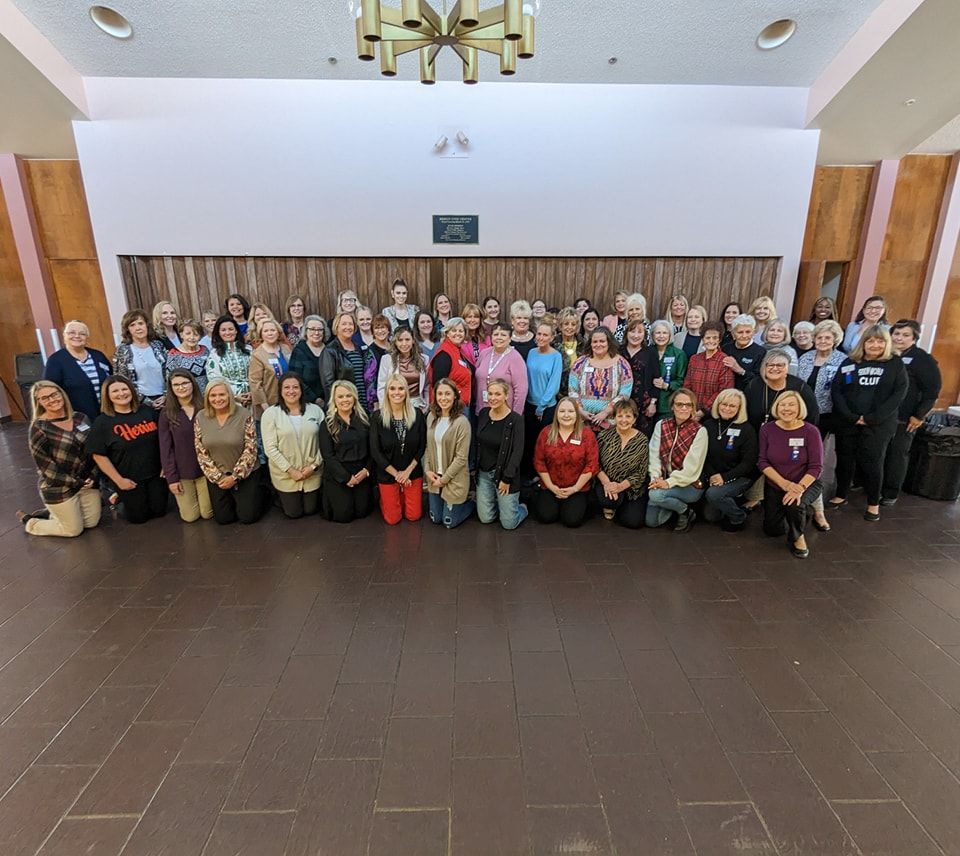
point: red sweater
(566, 461)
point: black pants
(343, 504)
(629, 513)
(299, 503)
(243, 502)
(863, 448)
(792, 519)
(827, 425)
(571, 511)
(532, 426)
(897, 461)
(147, 500)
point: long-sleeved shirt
(760, 398)
(707, 377)
(195, 363)
(348, 453)
(228, 448)
(672, 368)
(792, 454)
(543, 378)
(178, 451)
(595, 388)
(872, 389)
(630, 462)
(692, 463)
(852, 334)
(731, 451)
(566, 460)
(397, 446)
(508, 366)
(823, 382)
(748, 358)
(306, 364)
(923, 374)
(232, 366)
(80, 381)
(61, 456)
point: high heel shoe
(821, 527)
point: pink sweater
(508, 366)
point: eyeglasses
(50, 396)
(314, 329)
(682, 405)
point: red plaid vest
(674, 444)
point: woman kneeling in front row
(445, 462)
(678, 449)
(791, 459)
(731, 465)
(624, 467)
(499, 452)
(345, 449)
(566, 458)
(398, 439)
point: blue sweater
(543, 375)
(63, 370)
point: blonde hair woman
(731, 464)
(521, 337)
(345, 449)
(58, 442)
(763, 310)
(679, 306)
(166, 324)
(269, 361)
(616, 322)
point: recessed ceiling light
(332, 60)
(776, 34)
(612, 60)
(910, 102)
(111, 22)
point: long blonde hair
(553, 433)
(38, 411)
(386, 415)
(333, 423)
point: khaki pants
(194, 502)
(69, 518)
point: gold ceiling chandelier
(506, 30)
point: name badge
(574, 441)
(796, 441)
(733, 432)
(588, 369)
(669, 361)
(462, 363)
(83, 427)
(484, 394)
(107, 368)
(847, 369)
(847, 373)
(907, 360)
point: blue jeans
(662, 502)
(491, 504)
(721, 501)
(446, 514)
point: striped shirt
(90, 370)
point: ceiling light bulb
(440, 143)
(463, 139)
(111, 22)
(910, 102)
(776, 34)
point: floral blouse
(233, 367)
(595, 388)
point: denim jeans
(721, 501)
(662, 502)
(448, 515)
(491, 504)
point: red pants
(397, 503)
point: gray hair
(775, 355)
(802, 326)
(744, 320)
(324, 332)
(454, 322)
(666, 325)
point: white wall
(271, 167)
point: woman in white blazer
(406, 359)
(290, 441)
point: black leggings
(792, 519)
(629, 513)
(863, 448)
(147, 500)
(571, 511)
(245, 502)
(343, 504)
(299, 503)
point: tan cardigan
(264, 386)
(284, 448)
(456, 449)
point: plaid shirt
(61, 458)
(707, 377)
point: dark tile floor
(302, 688)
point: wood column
(941, 257)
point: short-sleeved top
(130, 440)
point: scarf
(675, 443)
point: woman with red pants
(398, 439)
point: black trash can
(935, 459)
(29, 369)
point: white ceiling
(35, 117)
(655, 41)
(944, 141)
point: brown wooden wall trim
(194, 283)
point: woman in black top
(398, 440)
(125, 445)
(731, 465)
(345, 449)
(305, 359)
(775, 378)
(499, 445)
(343, 359)
(645, 367)
(867, 392)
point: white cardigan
(386, 369)
(286, 448)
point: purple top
(792, 454)
(178, 456)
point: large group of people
(560, 413)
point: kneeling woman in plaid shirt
(58, 443)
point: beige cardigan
(284, 448)
(456, 449)
(264, 386)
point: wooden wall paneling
(79, 287)
(838, 208)
(946, 346)
(809, 285)
(17, 329)
(60, 203)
